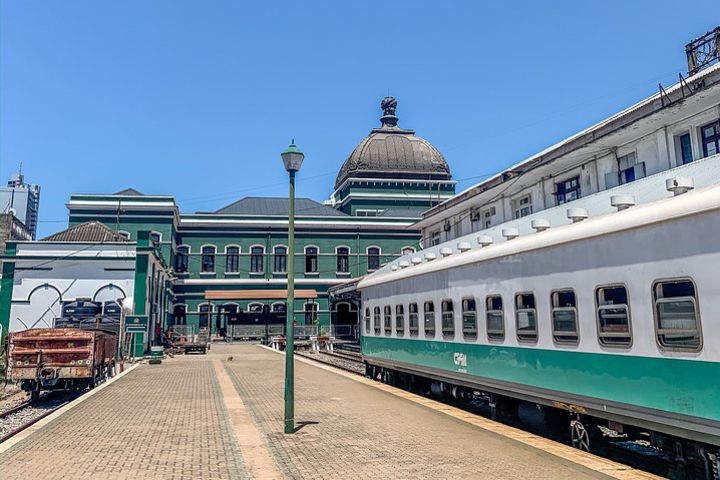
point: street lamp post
(292, 159)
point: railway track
(347, 362)
(16, 419)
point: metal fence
(263, 332)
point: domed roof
(393, 152)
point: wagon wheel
(579, 436)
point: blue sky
(197, 98)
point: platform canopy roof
(278, 294)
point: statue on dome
(388, 105)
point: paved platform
(204, 417)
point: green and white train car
(613, 318)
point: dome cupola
(391, 152)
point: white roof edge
(691, 203)
(585, 131)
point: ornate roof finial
(388, 105)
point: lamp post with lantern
(292, 158)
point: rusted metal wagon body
(60, 358)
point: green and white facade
(235, 258)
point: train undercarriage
(666, 455)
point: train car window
(469, 318)
(526, 317)
(564, 317)
(613, 315)
(388, 320)
(376, 320)
(413, 319)
(399, 321)
(676, 315)
(367, 321)
(448, 319)
(495, 318)
(429, 319)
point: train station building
(210, 265)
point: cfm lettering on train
(460, 360)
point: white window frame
(367, 257)
(349, 254)
(387, 319)
(493, 335)
(287, 252)
(518, 207)
(526, 337)
(215, 254)
(657, 301)
(598, 307)
(416, 331)
(427, 333)
(155, 232)
(262, 255)
(399, 326)
(239, 254)
(563, 337)
(469, 334)
(317, 260)
(251, 304)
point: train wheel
(579, 435)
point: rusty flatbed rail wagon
(60, 358)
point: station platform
(209, 417)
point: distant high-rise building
(22, 200)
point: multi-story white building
(665, 135)
(22, 200)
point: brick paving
(170, 422)
(158, 422)
(350, 430)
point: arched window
(311, 311)
(279, 307)
(205, 311)
(373, 258)
(232, 260)
(227, 310)
(256, 259)
(123, 233)
(156, 237)
(408, 250)
(208, 259)
(280, 259)
(255, 307)
(311, 259)
(180, 314)
(343, 259)
(181, 259)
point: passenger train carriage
(614, 319)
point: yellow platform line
(256, 455)
(566, 452)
